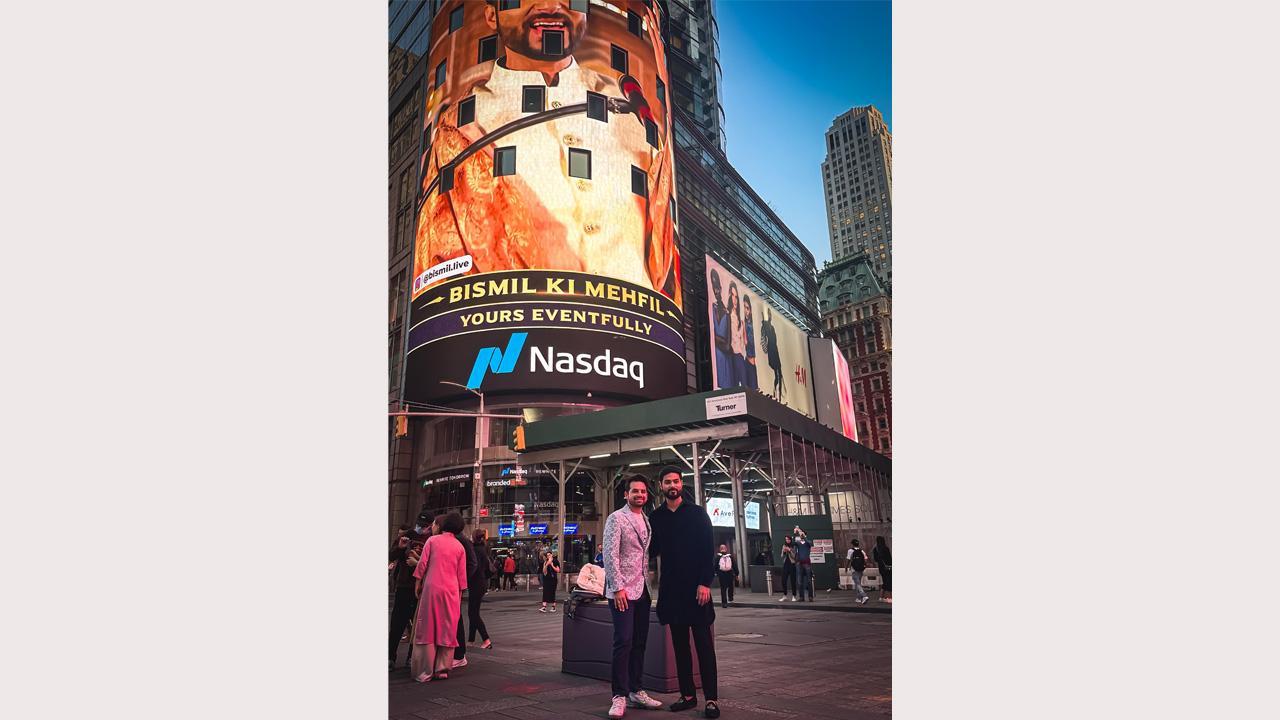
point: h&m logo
(499, 361)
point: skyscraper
(856, 313)
(857, 178)
(693, 48)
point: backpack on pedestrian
(859, 560)
(726, 563)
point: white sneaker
(459, 663)
(794, 598)
(542, 610)
(618, 707)
(782, 599)
(642, 700)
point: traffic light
(402, 425)
(517, 438)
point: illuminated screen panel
(545, 255)
(753, 346)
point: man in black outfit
(682, 543)
(404, 553)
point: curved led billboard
(545, 254)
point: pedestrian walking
(884, 562)
(626, 569)
(682, 542)
(857, 560)
(474, 575)
(509, 571)
(404, 555)
(478, 585)
(550, 574)
(494, 564)
(727, 572)
(441, 576)
(788, 569)
(803, 547)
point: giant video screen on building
(545, 255)
(753, 346)
(832, 388)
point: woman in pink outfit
(441, 577)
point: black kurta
(682, 542)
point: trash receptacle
(586, 649)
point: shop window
(488, 49)
(580, 163)
(467, 111)
(618, 58)
(533, 99)
(504, 161)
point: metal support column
(739, 513)
(564, 576)
(697, 476)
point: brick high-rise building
(857, 179)
(856, 313)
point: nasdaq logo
(499, 361)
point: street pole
(697, 476)
(564, 560)
(477, 489)
(739, 510)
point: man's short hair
(637, 477)
(669, 470)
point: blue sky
(789, 69)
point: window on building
(580, 163)
(875, 382)
(618, 58)
(662, 92)
(579, 5)
(446, 179)
(504, 161)
(884, 443)
(455, 19)
(488, 49)
(552, 42)
(882, 424)
(508, 4)
(651, 132)
(467, 111)
(596, 107)
(440, 73)
(534, 99)
(639, 182)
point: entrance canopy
(738, 444)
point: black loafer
(712, 710)
(683, 704)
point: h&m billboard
(753, 346)
(545, 255)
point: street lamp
(482, 425)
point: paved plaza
(775, 662)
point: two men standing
(679, 534)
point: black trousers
(630, 637)
(726, 586)
(401, 615)
(684, 661)
(510, 580)
(789, 579)
(461, 651)
(473, 614)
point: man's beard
(673, 493)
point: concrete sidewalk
(780, 661)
